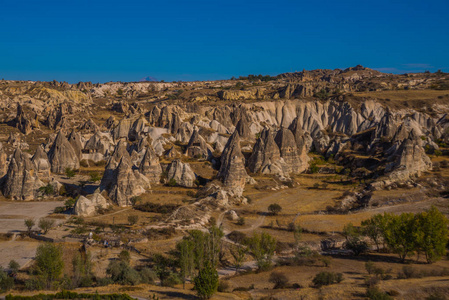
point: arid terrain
(139, 166)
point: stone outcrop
(62, 155)
(21, 181)
(232, 170)
(87, 206)
(3, 161)
(150, 166)
(266, 157)
(295, 161)
(41, 162)
(197, 146)
(99, 143)
(181, 173)
(409, 160)
(126, 183)
(22, 122)
(120, 153)
(243, 129)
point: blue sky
(111, 40)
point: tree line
(405, 234)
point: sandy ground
(13, 214)
(21, 251)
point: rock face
(181, 173)
(41, 162)
(294, 162)
(232, 170)
(87, 206)
(21, 181)
(150, 166)
(62, 155)
(266, 157)
(243, 129)
(22, 122)
(3, 161)
(119, 153)
(197, 146)
(410, 160)
(126, 183)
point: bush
(156, 208)
(46, 225)
(47, 189)
(94, 177)
(327, 278)
(104, 281)
(172, 182)
(29, 223)
(122, 273)
(374, 293)
(274, 208)
(133, 219)
(124, 256)
(279, 279)
(171, 280)
(69, 173)
(6, 282)
(147, 275)
(241, 221)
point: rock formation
(197, 146)
(181, 173)
(126, 183)
(87, 206)
(150, 166)
(21, 181)
(41, 162)
(3, 161)
(295, 161)
(232, 170)
(62, 155)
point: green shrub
(274, 208)
(171, 280)
(47, 189)
(206, 283)
(279, 279)
(327, 278)
(374, 293)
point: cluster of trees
(198, 256)
(44, 224)
(405, 234)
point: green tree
(431, 234)
(400, 234)
(133, 219)
(238, 252)
(46, 225)
(6, 282)
(375, 227)
(14, 267)
(82, 270)
(262, 247)
(354, 241)
(124, 256)
(49, 264)
(274, 208)
(186, 257)
(29, 223)
(206, 283)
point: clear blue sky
(111, 40)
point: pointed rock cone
(232, 171)
(62, 155)
(21, 181)
(150, 166)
